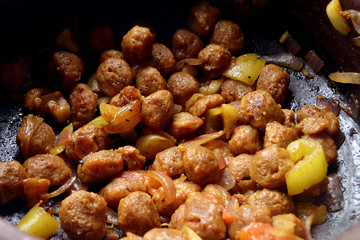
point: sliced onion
(63, 139)
(77, 185)
(345, 77)
(112, 216)
(102, 100)
(167, 183)
(220, 158)
(333, 10)
(188, 61)
(354, 16)
(227, 181)
(61, 189)
(356, 41)
(204, 138)
(285, 60)
(161, 133)
(139, 176)
(31, 123)
(123, 120)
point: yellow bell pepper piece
(98, 121)
(213, 121)
(230, 116)
(246, 68)
(190, 234)
(310, 167)
(333, 11)
(39, 223)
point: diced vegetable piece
(66, 40)
(284, 37)
(98, 121)
(264, 231)
(166, 182)
(39, 223)
(246, 68)
(59, 110)
(333, 11)
(213, 121)
(149, 145)
(190, 234)
(93, 84)
(213, 87)
(345, 77)
(310, 167)
(62, 140)
(311, 212)
(230, 116)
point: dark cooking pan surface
(303, 91)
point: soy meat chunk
(157, 109)
(183, 124)
(66, 68)
(85, 140)
(83, 105)
(35, 136)
(183, 189)
(100, 166)
(163, 234)
(182, 86)
(31, 95)
(112, 53)
(83, 216)
(247, 214)
(170, 162)
(113, 75)
(12, 175)
(289, 118)
(279, 135)
(133, 160)
(327, 143)
(269, 166)
(203, 104)
(260, 108)
(101, 37)
(204, 217)
(278, 202)
(214, 59)
(163, 58)
(245, 139)
(234, 90)
(274, 80)
(186, 44)
(47, 166)
(149, 80)
(229, 35)
(202, 18)
(119, 188)
(239, 170)
(201, 165)
(126, 95)
(137, 213)
(137, 44)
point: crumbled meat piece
(186, 44)
(163, 58)
(149, 80)
(202, 105)
(202, 18)
(183, 124)
(234, 90)
(279, 135)
(214, 59)
(170, 162)
(245, 139)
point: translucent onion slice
(120, 119)
(190, 234)
(220, 158)
(31, 123)
(112, 217)
(61, 189)
(190, 102)
(345, 77)
(93, 84)
(333, 10)
(63, 139)
(356, 41)
(227, 181)
(188, 61)
(166, 182)
(285, 60)
(204, 138)
(151, 144)
(98, 121)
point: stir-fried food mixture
(181, 141)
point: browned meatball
(246, 139)
(327, 144)
(137, 44)
(260, 108)
(112, 53)
(30, 96)
(12, 175)
(85, 140)
(278, 202)
(132, 158)
(119, 188)
(201, 165)
(239, 170)
(170, 162)
(312, 120)
(214, 59)
(269, 166)
(184, 124)
(275, 80)
(202, 105)
(113, 75)
(137, 213)
(222, 196)
(183, 189)
(35, 136)
(289, 118)
(247, 214)
(202, 18)
(229, 35)
(47, 166)
(66, 68)
(182, 85)
(83, 104)
(83, 216)
(186, 44)
(163, 58)
(163, 234)
(279, 135)
(14, 77)
(157, 109)
(149, 80)
(126, 95)
(101, 37)
(178, 217)
(100, 166)
(233, 90)
(204, 217)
